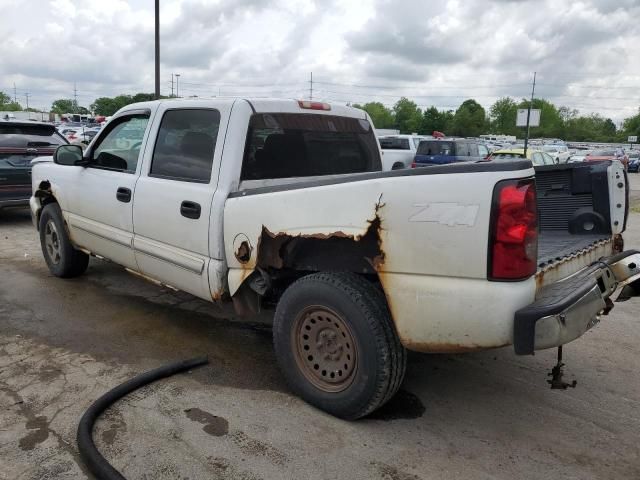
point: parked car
(579, 156)
(20, 142)
(450, 150)
(398, 151)
(608, 154)
(634, 161)
(560, 153)
(283, 203)
(537, 157)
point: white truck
(398, 151)
(282, 204)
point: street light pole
(177, 80)
(157, 92)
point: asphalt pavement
(482, 415)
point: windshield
(436, 147)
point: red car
(598, 155)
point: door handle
(190, 209)
(123, 194)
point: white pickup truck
(399, 151)
(282, 203)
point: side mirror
(69, 155)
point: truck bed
(557, 246)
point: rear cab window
(287, 145)
(394, 143)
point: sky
(435, 52)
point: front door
(172, 207)
(100, 207)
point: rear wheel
(397, 166)
(62, 258)
(336, 344)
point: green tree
(62, 106)
(434, 119)
(469, 119)
(631, 126)
(104, 106)
(380, 115)
(503, 116)
(143, 97)
(408, 116)
(7, 104)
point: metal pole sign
(534, 117)
(529, 111)
(633, 139)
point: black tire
(397, 166)
(350, 305)
(62, 258)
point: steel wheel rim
(324, 349)
(52, 242)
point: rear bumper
(565, 310)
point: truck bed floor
(554, 246)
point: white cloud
(438, 52)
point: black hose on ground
(90, 455)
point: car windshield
(435, 147)
(504, 156)
(394, 143)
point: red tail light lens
(513, 241)
(314, 105)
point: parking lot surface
(480, 415)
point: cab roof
(259, 105)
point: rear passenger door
(172, 201)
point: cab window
(119, 147)
(185, 145)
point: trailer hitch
(556, 374)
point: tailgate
(581, 208)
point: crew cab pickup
(282, 204)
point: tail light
(314, 105)
(414, 164)
(513, 237)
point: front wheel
(336, 344)
(62, 258)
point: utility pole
(526, 137)
(75, 98)
(27, 95)
(172, 85)
(15, 96)
(177, 81)
(157, 55)
(311, 87)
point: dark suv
(449, 150)
(20, 142)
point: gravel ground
(481, 415)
